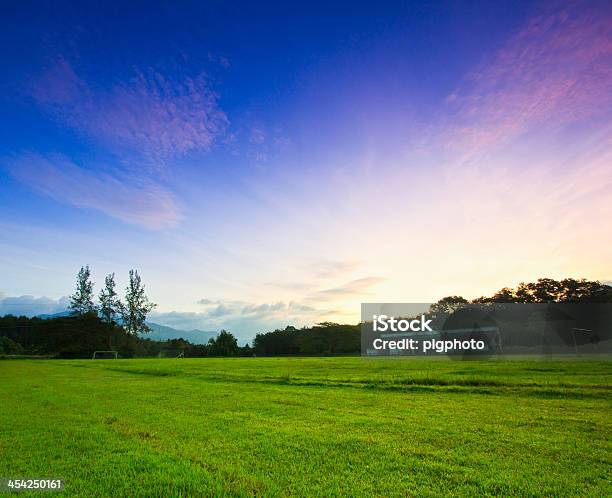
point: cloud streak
(136, 201)
(145, 122)
(353, 288)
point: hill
(163, 333)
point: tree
(504, 295)
(547, 290)
(137, 306)
(110, 306)
(245, 350)
(448, 305)
(81, 301)
(109, 302)
(8, 346)
(225, 344)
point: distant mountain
(163, 333)
(55, 315)
(158, 332)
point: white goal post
(105, 355)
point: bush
(8, 346)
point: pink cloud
(555, 71)
(59, 86)
(139, 202)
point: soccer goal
(105, 355)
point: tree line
(120, 325)
(335, 339)
(322, 339)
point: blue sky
(265, 165)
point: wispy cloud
(353, 288)
(205, 301)
(144, 122)
(554, 71)
(132, 200)
(324, 268)
(149, 114)
(316, 272)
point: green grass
(309, 426)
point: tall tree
(109, 302)
(137, 306)
(81, 301)
(110, 306)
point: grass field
(309, 426)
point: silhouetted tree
(110, 305)
(505, 295)
(322, 339)
(81, 301)
(547, 290)
(447, 305)
(245, 350)
(225, 344)
(137, 306)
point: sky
(266, 164)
